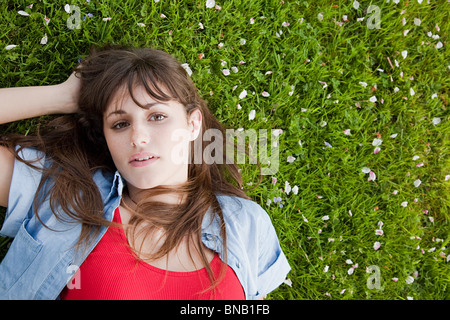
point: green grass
(329, 179)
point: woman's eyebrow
(148, 106)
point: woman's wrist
(69, 92)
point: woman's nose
(139, 136)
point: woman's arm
(28, 102)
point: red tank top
(111, 272)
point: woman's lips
(142, 159)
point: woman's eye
(120, 125)
(157, 117)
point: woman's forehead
(137, 96)
(140, 98)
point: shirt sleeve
(24, 185)
(272, 263)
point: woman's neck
(135, 195)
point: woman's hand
(71, 91)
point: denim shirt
(41, 261)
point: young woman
(106, 202)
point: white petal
(23, 13)
(11, 46)
(436, 121)
(243, 94)
(377, 142)
(252, 114)
(365, 170)
(288, 282)
(376, 245)
(290, 159)
(404, 54)
(187, 68)
(44, 39)
(210, 3)
(287, 187)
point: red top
(111, 272)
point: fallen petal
(251, 115)
(436, 121)
(187, 68)
(44, 39)
(376, 245)
(210, 4)
(417, 183)
(377, 142)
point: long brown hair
(77, 148)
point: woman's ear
(195, 124)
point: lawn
(360, 196)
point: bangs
(158, 89)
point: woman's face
(150, 146)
